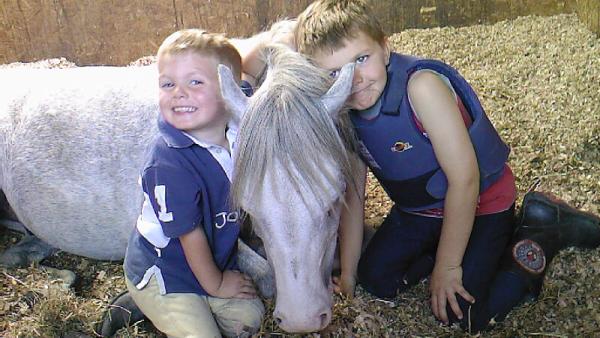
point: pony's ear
(232, 94)
(336, 96)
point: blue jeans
(403, 249)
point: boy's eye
(195, 82)
(334, 73)
(166, 85)
(362, 59)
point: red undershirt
(498, 197)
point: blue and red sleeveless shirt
(400, 155)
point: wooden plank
(116, 32)
(589, 13)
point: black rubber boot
(545, 226)
(122, 312)
(542, 213)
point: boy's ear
(232, 94)
(386, 50)
(336, 96)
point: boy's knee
(241, 330)
(253, 318)
(375, 280)
(245, 320)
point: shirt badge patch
(400, 146)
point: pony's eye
(332, 211)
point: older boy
(180, 264)
(425, 136)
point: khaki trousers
(192, 315)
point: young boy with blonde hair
(423, 133)
(180, 264)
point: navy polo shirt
(186, 185)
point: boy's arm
(253, 63)
(454, 151)
(249, 49)
(173, 194)
(226, 284)
(351, 232)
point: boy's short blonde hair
(204, 43)
(327, 23)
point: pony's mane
(286, 123)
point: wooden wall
(589, 13)
(116, 32)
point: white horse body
(72, 142)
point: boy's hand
(345, 285)
(236, 285)
(445, 283)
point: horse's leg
(29, 250)
(33, 250)
(257, 267)
(8, 218)
(15, 226)
(66, 277)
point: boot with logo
(545, 226)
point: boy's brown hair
(327, 23)
(204, 43)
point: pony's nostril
(324, 317)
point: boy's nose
(179, 92)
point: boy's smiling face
(189, 92)
(370, 75)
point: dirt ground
(539, 81)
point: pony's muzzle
(316, 321)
